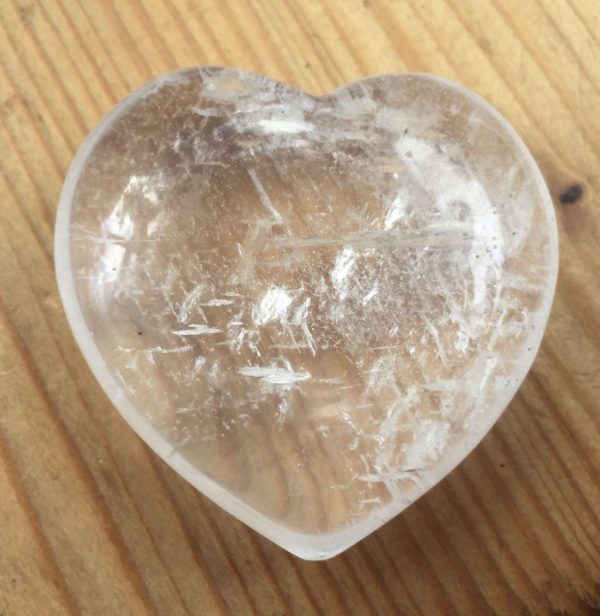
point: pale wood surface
(92, 522)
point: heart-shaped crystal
(312, 308)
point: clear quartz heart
(312, 308)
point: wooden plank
(93, 523)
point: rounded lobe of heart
(311, 307)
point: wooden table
(92, 522)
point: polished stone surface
(312, 308)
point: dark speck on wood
(572, 194)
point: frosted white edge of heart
(310, 547)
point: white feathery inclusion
(197, 330)
(274, 375)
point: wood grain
(92, 522)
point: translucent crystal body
(311, 308)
